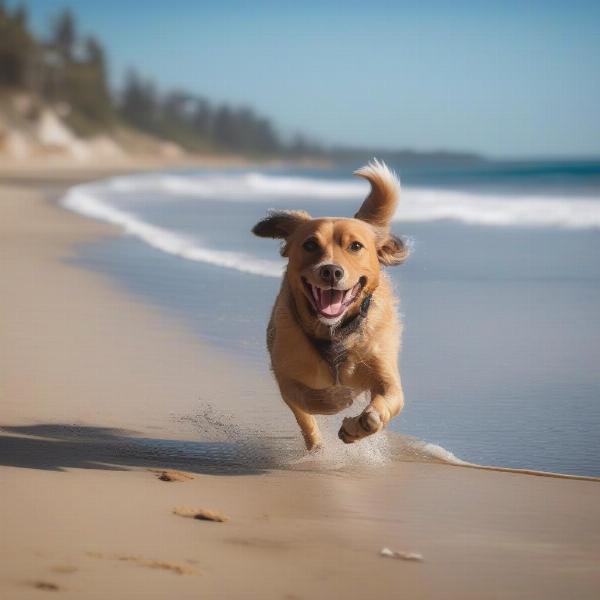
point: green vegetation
(69, 72)
(195, 123)
(62, 70)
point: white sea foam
(417, 204)
(237, 187)
(410, 448)
(83, 200)
(101, 200)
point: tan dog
(334, 332)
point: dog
(334, 332)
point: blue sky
(502, 78)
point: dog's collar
(353, 323)
(334, 350)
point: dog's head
(334, 263)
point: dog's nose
(331, 273)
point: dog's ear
(392, 251)
(379, 207)
(280, 224)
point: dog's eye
(355, 246)
(310, 245)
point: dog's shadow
(58, 447)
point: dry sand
(87, 372)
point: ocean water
(500, 298)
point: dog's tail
(380, 205)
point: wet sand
(93, 385)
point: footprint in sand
(202, 514)
(172, 475)
(163, 565)
(47, 586)
(64, 569)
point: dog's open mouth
(329, 302)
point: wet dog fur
(334, 332)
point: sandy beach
(89, 380)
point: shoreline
(226, 354)
(86, 365)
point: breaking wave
(420, 204)
(417, 204)
(81, 199)
(238, 187)
(101, 201)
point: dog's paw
(345, 436)
(370, 421)
(316, 448)
(356, 428)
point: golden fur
(337, 258)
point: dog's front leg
(309, 428)
(307, 422)
(386, 402)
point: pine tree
(65, 35)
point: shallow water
(502, 328)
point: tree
(86, 88)
(177, 105)
(224, 129)
(65, 34)
(65, 69)
(202, 118)
(20, 16)
(94, 53)
(266, 138)
(139, 102)
(17, 49)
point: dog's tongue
(330, 302)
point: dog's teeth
(315, 294)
